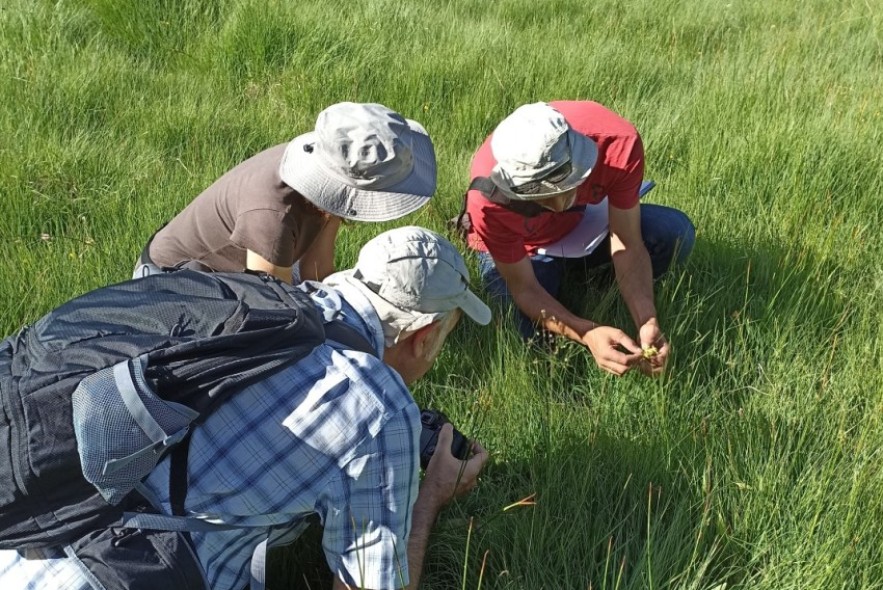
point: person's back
(318, 437)
(248, 208)
(285, 205)
(334, 435)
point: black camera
(432, 422)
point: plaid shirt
(334, 435)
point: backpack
(96, 392)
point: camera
(432, 422)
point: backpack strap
(178, 480)
(492, 193)
(335, 330)
(462, 224)
(342, 333)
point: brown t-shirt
(248, 208)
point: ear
(423, 339)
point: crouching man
(335, 434)
(531, 182)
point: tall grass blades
(753, 463)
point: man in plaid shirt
(335, 435)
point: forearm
(318, 261)
(634, 275)
(546, 311)
(423, 518)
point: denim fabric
(668, 234)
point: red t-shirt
(617, 174)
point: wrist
(649, 321)
(584, 328)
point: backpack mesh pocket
(123, 428)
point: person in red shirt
(531, 181)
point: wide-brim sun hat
(363, 162)
(532, 146)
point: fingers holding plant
(613, 350)
(654, 348)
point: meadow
(754, 463)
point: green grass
(754, 463)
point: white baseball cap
(538, 155)
(363, 162)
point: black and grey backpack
(96, 392)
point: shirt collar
(338, 300)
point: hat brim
(467, 301)
(583, 157)
(302, 170)
(474, 307)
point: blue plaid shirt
(334, 435)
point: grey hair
(397, 329)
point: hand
(448, 477)
(651, 335)
(605, 344)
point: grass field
(754, 463)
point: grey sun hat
(533, 144)
(363, 162)
(413, 277)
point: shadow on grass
(301, 564)
(632, 497)
(601, 513)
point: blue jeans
(668, 234)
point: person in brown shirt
(284, 205)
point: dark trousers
(668, 234)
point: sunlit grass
(754, 463)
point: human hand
(652, 339)
(606, 344)
(448, 477)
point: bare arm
(634, 275)
(422, 520)
(446, 478)
(604, 342)
(254, 261)
(318, 261)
